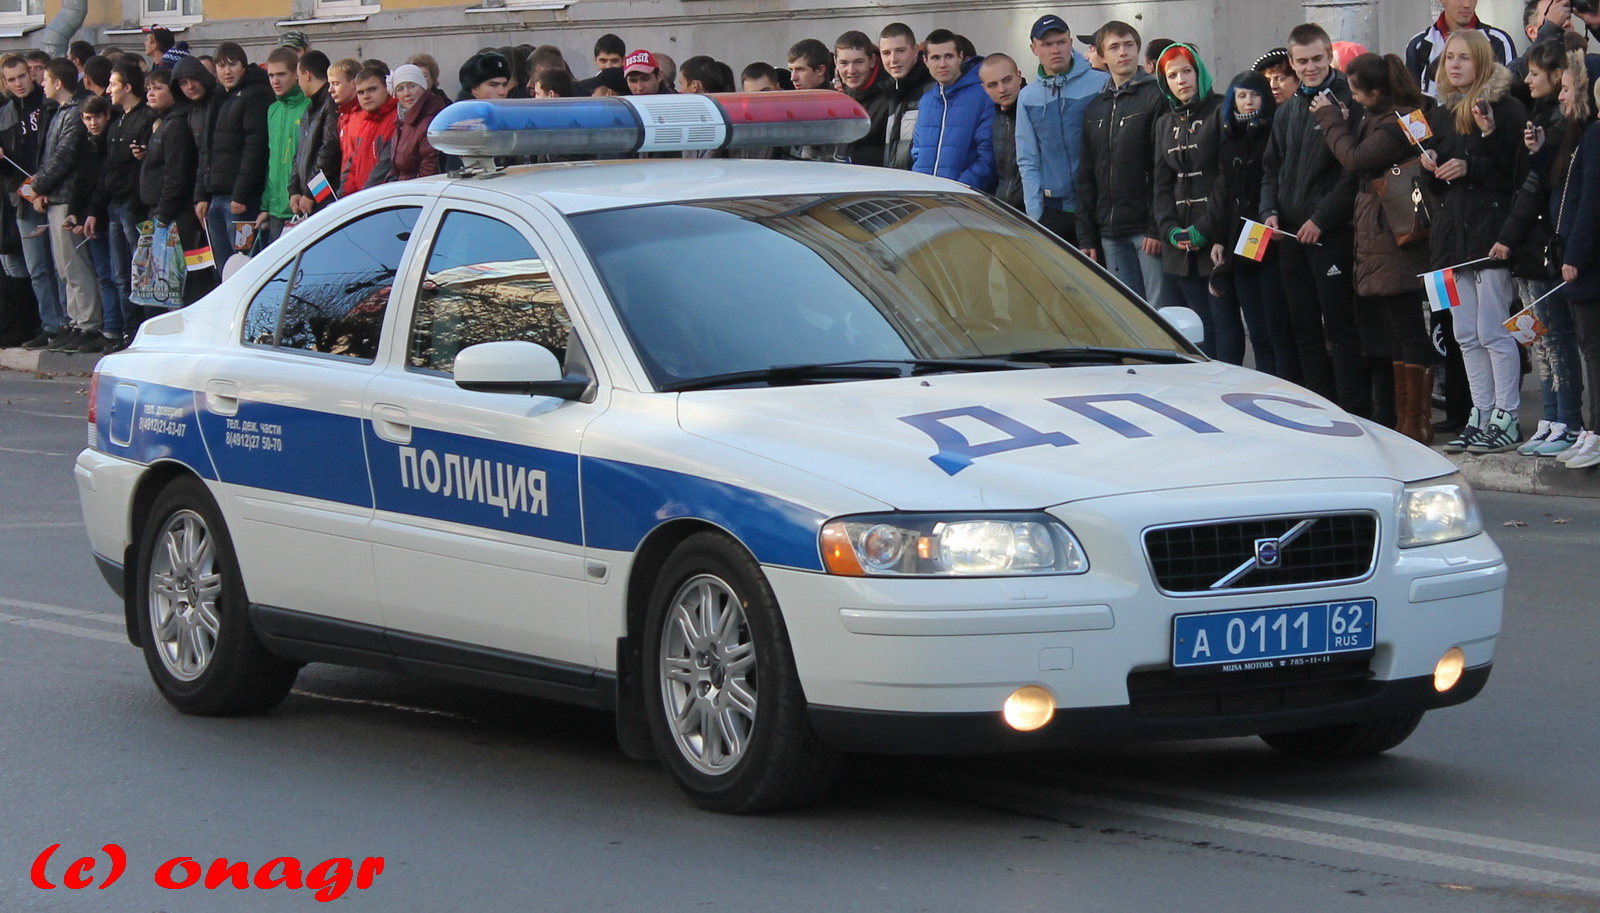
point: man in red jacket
(369, 142)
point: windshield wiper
(1100, 355)
(842, 370)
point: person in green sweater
(283, 140)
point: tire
(726, 711)
(1350, 740)
(193, 614)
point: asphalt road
(483, 802)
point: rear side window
(331, 299)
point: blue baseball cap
(1046, 25)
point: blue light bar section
(537, 126)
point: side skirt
(306, 638)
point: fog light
(1029, 708)
(1448, 671)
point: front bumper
(919, 664)
(887, 732)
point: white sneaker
(1588, 453)
(1538, 437)
(1587, 444)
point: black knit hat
(480, 68)
(1277, 57)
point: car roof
(578, 187)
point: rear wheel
(190, 602)
(1349, 740)
(725, 706)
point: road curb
(1526, 475)
(42, 360)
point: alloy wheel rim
(185, 586)
(708, 674)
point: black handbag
(1555, 248)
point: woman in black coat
(1241, 128)
(167, 168)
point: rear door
(281, 416)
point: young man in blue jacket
(954, 136)
(1050, 126)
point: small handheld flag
(1416, 126)
(199, 258)
(321, 190)
(1253, 241)
(1441, 286)
(1526, 327)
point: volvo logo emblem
(1268, 552)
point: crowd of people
(1125, 149)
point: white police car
(777, 460)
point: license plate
(1273, 638)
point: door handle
(391, 423)
(222, 397)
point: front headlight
(1438, 510)
(932, 545)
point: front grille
(1218, 557)
(1164, 693)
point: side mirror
(525, 368)
(1186, 322)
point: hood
(1035, 438)
(1202, 74)
(192, 68)
(294, 95)
(1257, 83)
(1496, 88)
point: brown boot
(1419, 410)
(1404, 421)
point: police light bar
(624, 125)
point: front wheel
(190, 602)
(726, 711)
(1349, 740)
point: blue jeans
(110, 293)
(1225, 319)
(1126, 259)
(47, 288)
(219, 225)
(123, 232)
(1555, 355)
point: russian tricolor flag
(321, 190)
(1441, 286)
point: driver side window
(484, 283)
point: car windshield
(726, 286)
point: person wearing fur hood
(1477, 164)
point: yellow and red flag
(1253, 240)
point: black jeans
(1318, 285)
(1405, 323)
(1063, 223)
(1586, 323)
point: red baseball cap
(640, 61)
